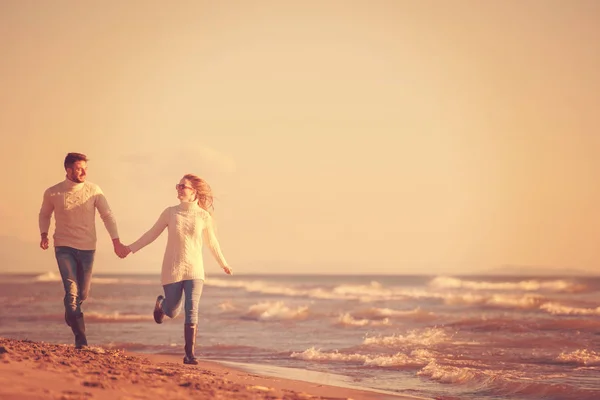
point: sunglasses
(181, 186)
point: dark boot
(159, 314)
(189, 331)
(77, 325)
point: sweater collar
(189, 205)
(70, 185)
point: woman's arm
(213, 244)
(152, 234)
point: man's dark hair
(72, 158)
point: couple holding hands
(189, 224)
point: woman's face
(185, 192)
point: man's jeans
(171, 305)
(75, 268)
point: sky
(339, 137)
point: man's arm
(106, 214)
(44, 218)
(110, 223)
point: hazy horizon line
(581, 274)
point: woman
(182, 269)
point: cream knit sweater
(187, 224)
(74, 206)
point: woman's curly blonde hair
(203, 191)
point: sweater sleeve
(212, 242)
(152, 234)
(45, 214)
(106, 213)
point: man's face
(78, 172)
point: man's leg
(67, 266)
(85, 264)
(67, 260)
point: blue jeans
(75, 268)
(171, 305)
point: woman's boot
(189, 331)
(159, 314)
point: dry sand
(31, 370)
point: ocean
(444, 337)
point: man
(74, 202)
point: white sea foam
(124, 281)
(417, 337)
(559, 285)
(366, 293)
(48, 277)
(416, 358)
(381, 316)
(98, 280)
(276, 311)
(116, 317)
(519, 301)
(374, 291)
(508, 383)
(582, 356)
(560, 309)
(347, 319)
(376, 313)
(227, 306)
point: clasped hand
(120, 249)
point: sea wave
(373, 291)
(346, 319)
(558, 285)
(125, 281)
(415, 359)
(582, 357)
(116, 317)
(47, 277)
(218, 351)
(227, 306)
(506, 382)
(52, 276)
(560, 309)
(376, 313)
(375, 316)
(519, 324)
(89, 316)
(416, 337)
(276, 311)
(142, 347)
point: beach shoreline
(38, 370)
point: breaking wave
(415, 359)
(417, 337)
(505, 382)
(559, 285)
(276, 311)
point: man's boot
(189, 331)
(78, 327)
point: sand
(33, 370)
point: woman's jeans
(75, 268)
(171, 305)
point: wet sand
(33, 370)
